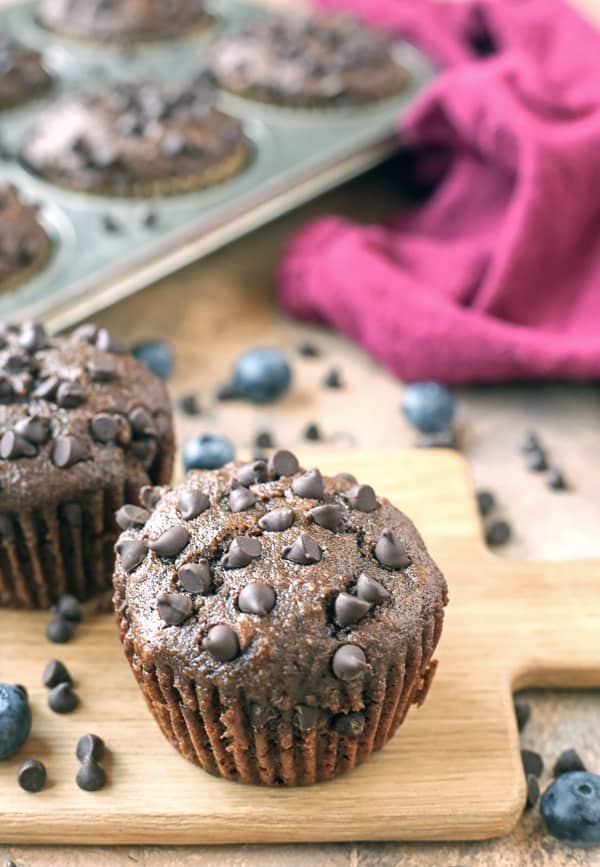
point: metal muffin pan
(295, 155)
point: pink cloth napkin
(496, 276)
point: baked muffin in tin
(24, 245)
(23, 76)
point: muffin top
(22, 74)
(121, 20)
(281, 584)
(73, 410)
(307, 61)
(129, 137)
(23, 242)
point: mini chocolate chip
(308, 350)
(170, 543)
(195, 577)
(256, 598)
(370, 590)
(105, 342)
(362, 497)
(568, 761)
(104, 427)
(349, 725)
(304, 551)
(348, 662)
(89, 746)
(332, 379)
(532, 763)
(264, 440)
(253, 474)
(47, 389)
(54, 673)
(390, 552)
(277, 520)
(309, 485)
(486, 503)
(90, 776)
(349, 609)
(307, 717)
(312, 432)
(222, 643)
(132, 552)
(242, 551)
(192, 503)
(533, 792)
(537, 461)
(556, 479)
(69, 606)
(110, 224)
(174, 608)
(149, 496)
(522, 713)
(60, 630)
(531, 442)
(32, 775)
(328, 516)
(101, 370)
(142, 422)
(13, 446)
(283, 463)
(68, 451)
(130, 516)
(261, 715)
(190, 404)
(17, 362)
(33, 336)
(498, 533)
(241, 499)
(149, 218)
(34, 429)
(62, 699)
(69, 395)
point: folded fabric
(496, 276)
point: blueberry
(428, 406)
(15, 719)
(157, 356)
(571, 808)
(262, 375)
(207, 452)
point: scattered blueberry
(309, 350)
(428, 406)
(568, 761)
(190, 405)
(533, 792)
(556, 479)
(32, 775)
(262, 375)
(532, 763)
(522, 713)
(264, 440)
(207, 452)
(15, 719)
(537, 461)
(332, 379)
(312, 432)
(571, 808)
(498, 533)
(157, 356)
(486, 502)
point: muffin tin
(296, 154)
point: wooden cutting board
(452, 772)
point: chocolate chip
(253, 474)
(149, 218)
(256, 598)
(332, 379)
(68, 606)
(532, 763)
(362, 497)
(104, 427)
(47, 389)
(192, 503)
(304, 551)
(227, 392)
(309, 485)
(440, 439)
(264, 440)
(68, 451)
(346, 477)
(241, 499)
(349, 725)
(62, 699)
(537, 461)
(33, 336)
(308, 350)
(556, 479)
(149, 496)
(17, 362)
(283, 463)
(69, 395)
(328, 516)
(486, 503)
(132, 552)
(108, 222)
(261, 715)
(142, 423)
(54, 673)
(32, 775)
(277, 520)
(222, 643)
(349, 609)
(498, 533)
(34, 429)
(370, 590)
(348, 662)
(90, 776)
(190, 405)
(390, 552)
(89, 746)
(85, 333)
(307, 717)
(568, 761)
(522, 713)
(530, 442)
(13, 446)
(105, 342)
(174, 608)
(312, 432)
(242, 551)
(170, 543)
(129, 516)
(101, 370)
(60, 630)
(195, 577)
(533, 792)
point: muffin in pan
(307, 62)
(280, 624)
(23, 76)
(24, 244)
(137, 140)
(82, 427)
(123, 20)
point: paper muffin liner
(216, 732)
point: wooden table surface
(217, 307)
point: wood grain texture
(452, 772)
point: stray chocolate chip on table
(60, 630)
(309, 350)
(568, 761)
(498, 533)
(70, 608)
(522, 713)
(533, 792)
(54, 673)
(312, 432)
(532, 763)
(486, 502)
(62, 698)
(32, 775)
(264, 440)
(332, 379)
(556, 479)
(190, 404)
(90, 746)
(91, 776)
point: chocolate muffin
(307, 62)
(137, 140)
(24, 245)
(22, 73)
(123, 20)
(279, 623)
(82, 427)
